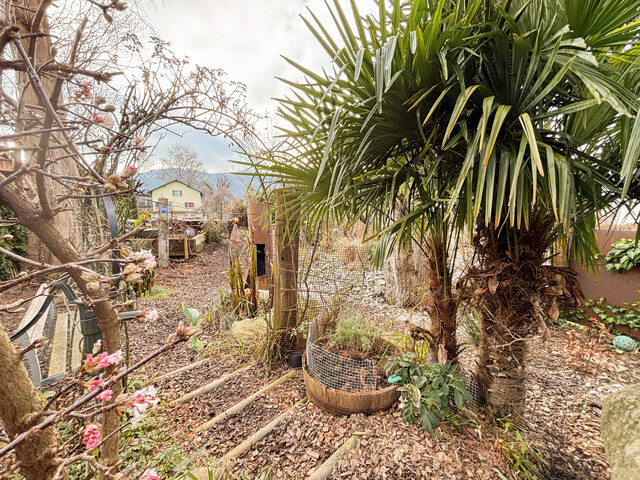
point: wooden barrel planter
(342, 402)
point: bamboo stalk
(210, 386)
(238, 407)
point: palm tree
(513, 121)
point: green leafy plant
(428, 391)
(623, 256)
(14, 239)
(353, 331)
(213, 231)
(526, 456)
(627, 314)
(193, 316)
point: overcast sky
(246, 38)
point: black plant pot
(294, 360)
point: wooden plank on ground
(211, 386)
(325, 470)
(260, 434)
(59, 345)
(76, 341)
(238, 407)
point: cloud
(246, 39)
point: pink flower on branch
(91, 437)
(93, 363)
(150, 474)
(129, 171)
(148, 315)
(105, 396)
(98, 118)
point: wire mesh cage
(337, 371)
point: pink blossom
(106, 395)
(148, 315)
(93, 363)
(98, 118)
(91, 437)
(129, 171)
(97, 346)
(150, 474)
(141, 400)
(144, 259)
(95, 383)
(130, 268)
(137, 141)
(115, 358)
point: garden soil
(564, 398)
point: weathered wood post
(285, 272)
(163, 233)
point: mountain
(238, 188)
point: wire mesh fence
(337, 371)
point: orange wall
(616, 288)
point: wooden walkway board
(76, 342)
(59, 344)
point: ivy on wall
(17, 244)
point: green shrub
(353, 331)
(213, 231)
(17, 244)
(427, 390)
(624, 255)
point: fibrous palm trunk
(501, 366)
(515, 291)
(440, 302)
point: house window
(189, 204)
(176, 193)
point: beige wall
(177, 202)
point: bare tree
(71, 144)
(183, 164)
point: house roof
(176, 181)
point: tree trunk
(501, 367)
(20, 406)
(285, 275)
(31, 118)
(404, 272)
(439, 300)
(47, 230)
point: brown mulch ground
(563, 405)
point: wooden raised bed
(342, 402)
(176, 245)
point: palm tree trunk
(501, 367)
(440, 302)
